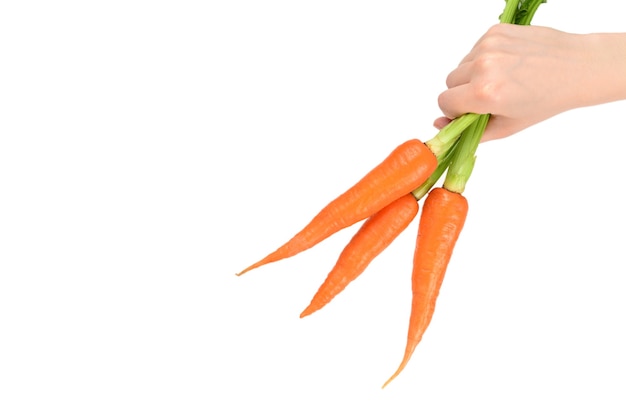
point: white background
(150, 150)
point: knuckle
(486, 64)
(496, 29)
(488, 93)
(490, 81)
(494, 39)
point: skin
(523, 75)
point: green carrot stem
(441, 143)
(527, 11)
(462, 162)
(510, 10)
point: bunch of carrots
(387, 199)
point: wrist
(607, 71)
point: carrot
(388, 197)
(404, 169)
(376, 234)
(443, 215)
(408, 166)
(445, 210)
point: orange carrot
(441, 222)
(376, 234)
(404, 169)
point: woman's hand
(523, 75)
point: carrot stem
(520, 12)
(510, 10)
(441, 143)
(462, 163)
(527, 11)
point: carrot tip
(391, 378)
(403, 364)
(247, 269)
(307, 311)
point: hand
(523, 75)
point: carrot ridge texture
(402, 171)
(372, 238)
(443, 216)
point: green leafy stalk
(520, 12)
(527, 11)
(510, 10)
(445, 139)
(462, 163)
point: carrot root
(443, 216)
(404, 169)
(372, 238)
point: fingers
(450, 103)
(498, 128)
(463, 99)
(486, 40)
(441, 122)
(492, 79)
(491, 131)
(460, 75)
(467, 90)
